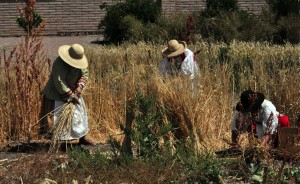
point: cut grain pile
(63, 126)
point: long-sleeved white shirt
(267, 119)
(189, 66)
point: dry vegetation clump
(24, 70)
(63, 126)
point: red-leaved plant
(25, 68)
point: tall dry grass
(205, 113)
(24, 70)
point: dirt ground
(52, 43)
(32, 163)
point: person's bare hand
(78, 91)
(75, 100)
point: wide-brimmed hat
(175, 48)
(73, 55)
(250, 101)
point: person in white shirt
(255, 115)
(178, 60)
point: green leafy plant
(287, 19)
(111, 26)
(292, 172)
(86, 160)
(256, 172)
(133, 29)
(203, 167)
(29, 25)
(283, 8)
(215, 7)
(149, 127)
(174, 26)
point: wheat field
(117, 73)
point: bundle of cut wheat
(63, 125)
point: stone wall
(65, 16)
(170, 6)
(83, 16)
(254, 6)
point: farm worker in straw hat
(255, 115)
(68, 78)
(178, 59)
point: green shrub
(155, 33)
(113, 24)
(283, 8)
(215, 7)
(223, 27)
(221, 21)
(85, 160)
(204, 167)
(149, 127)
(109, 25)
(132, 28)
(287, 19)
(288, 29)
(174, 25)
(236, 25)
(261, 27)
(144, 10)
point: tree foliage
(146, 11)
(283, 8)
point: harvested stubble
(63, 125)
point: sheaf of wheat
(63, 124)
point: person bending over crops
(255, 115)
(68, 78)
(178, 60)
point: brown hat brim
(64, 53)
(167, 53)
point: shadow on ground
(33, 147)
(101, 42)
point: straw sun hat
(73, 55)
(175, 48)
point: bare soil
(32, 163)
(52, 43)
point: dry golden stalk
(63, 125)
